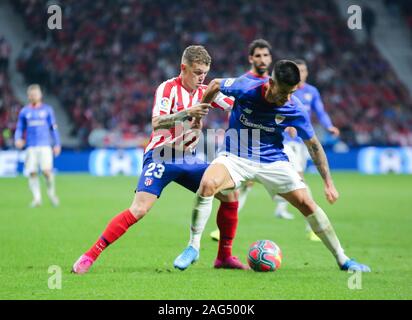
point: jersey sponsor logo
(279, 118)
(164, 104)
(247, 123)
(229, 82)
(36, 123)
(247, 110)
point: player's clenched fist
(19, 144)
(331, 193)
(57, 150)
(199, 110)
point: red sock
(114, 230)
(227, 222)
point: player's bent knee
(208, 187)
(46, 173)
(138, 211)
(307, 207)
(228, 197)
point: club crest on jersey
(148, 182)
(229, 82)
(164, 104)
(42, 114)
(279, 118)
(307, 96)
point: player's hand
(292, 132)
(199, 110)
(19, 144)
(334, 131)
(331, 193)
(57, 150)
(196, 124)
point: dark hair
(259, 43)
(300, 62)
(286, 72)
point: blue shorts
(157, 175)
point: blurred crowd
(401, 7)
(106, 62)
(9, 105)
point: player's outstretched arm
(212, 90)
(168, 121)
(319, 159)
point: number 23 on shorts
(155, 170)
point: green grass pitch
(373, 219)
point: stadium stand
(9, 104)
(107, 61)
(401, 6)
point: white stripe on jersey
(171, 97)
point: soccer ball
(264, 255)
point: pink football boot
(82, 265)
(230, 263)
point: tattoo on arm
(168, 121)
(319, 157)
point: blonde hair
(33, 87)
(196, 54)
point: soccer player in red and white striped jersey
(173, 99)
(176, 121)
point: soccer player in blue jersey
(37, 122)
(260, 59)
(253, 150)
(294, 146)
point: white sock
(200, 216)
(321, 225)
(243, 193)
(51, 190)
(34, 185)
(281, 204)
(308, 227)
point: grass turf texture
(372, 218)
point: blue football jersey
(40, 126)
(312, 102)
(256, 126)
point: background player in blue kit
(268, 105)
(37, 130)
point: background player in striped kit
(37, 122)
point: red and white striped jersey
(171, 97)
